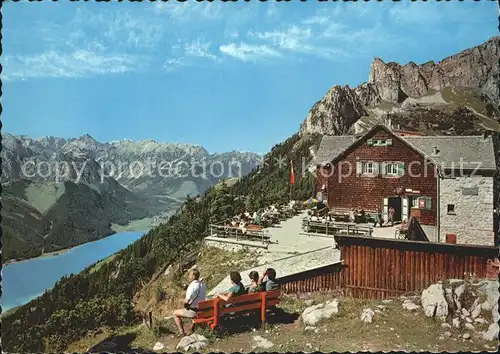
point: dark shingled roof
(457, 151)
(332, 146)
(453, 151)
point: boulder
(386, 301)
(468, 320)
(465, 312)
(309, 302)
(261, 342)
(310, 329)
(410, 306)
(494, 313)
(489, 289)
(469, 327)
(313, 314)
(485, 306)
(158, 346)
(192, 342)
(456, 322)
(492, 333)
(480, 320)
(458, 292)
(447, 334)
(445, 325)
(475, 309)
(434, 302)
(466, 336)
(367, 315)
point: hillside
(101, 297)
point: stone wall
(231, 247)
(472, 220)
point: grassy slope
(45, 217)
(395, 329)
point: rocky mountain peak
(335, 112)
(394, 86)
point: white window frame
(391, 169)
(365, 170)
(414, 202)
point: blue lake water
(23, 281)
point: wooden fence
(320, 279)
(379, 268)
(238, 234)
(334, 228)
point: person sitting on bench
(270, 283)
(236, 290)
(195, 293)
(254, 286)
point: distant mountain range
(63, 192)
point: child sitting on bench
(236, 290)
(254, 286)
(270, 283)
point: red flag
(292, 173)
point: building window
(425, 203)
(368, 168)
(414, 203)
(391, 169)
(451, 209)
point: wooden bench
(212, 311)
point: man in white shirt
(195, 293)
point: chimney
(435, 151)
(388, 121)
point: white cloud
(249, 52)
(200, 49)
(293, 38)
(316, 20)
(79, 63)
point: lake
(25, 280)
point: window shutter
(401, 169)
(359, 167)
(383, 168)
(376, 168)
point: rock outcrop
(476, 68)
(313, 314)
(335, 113)
(192, 342)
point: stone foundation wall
(472, 220)
(231, 247)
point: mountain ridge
(126, 173)
(392, 87)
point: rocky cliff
(469, 79)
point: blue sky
(228, 76)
